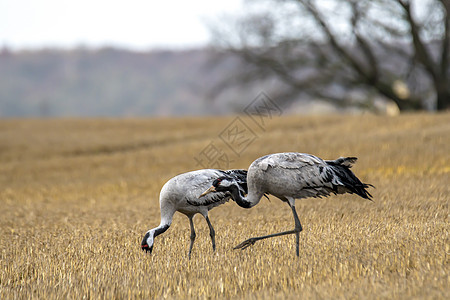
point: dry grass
(77, 196)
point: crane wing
(332, 177)
(210, 199)
(289, 160)
(206, 181)
(200, 183)
(315, 177)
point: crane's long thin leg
(212, 233)
(296, 231)
(192, 235)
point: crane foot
(246, 244)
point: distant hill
(107, 82)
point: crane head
(147, 241)
(219, 185)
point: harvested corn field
(77, 197)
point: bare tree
(337, 48)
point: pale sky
(135, 24)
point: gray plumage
(291, 176)
(181, 193)
(299, 175)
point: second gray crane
(290, 176)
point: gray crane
(290, 176)
(181, 193)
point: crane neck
(246, 202)
(161, 229)
(166, 221)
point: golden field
(77, 196)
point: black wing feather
(341, 169)
(210, 199)
(240, 175)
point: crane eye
(217, 182)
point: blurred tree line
(350, 53)
(347, 52)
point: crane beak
(210, 190)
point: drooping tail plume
(352, 184)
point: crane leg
(191, 223)
(212, 233)
(297, 229)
